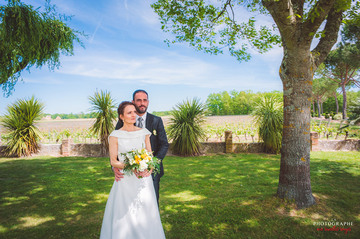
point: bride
(131, 210)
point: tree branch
(298, 6)
(228, 3)
(281, 11)
(327, 42)
(337, 81)
(317, 16)
(352, 74)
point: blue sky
(125, 51)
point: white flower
(154, 132)
(143, 165)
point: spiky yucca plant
(268, 114)
(185, 129)
(103, 105)
(20, 122)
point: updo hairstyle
(122, 107)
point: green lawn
(219, 196)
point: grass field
(218, 196)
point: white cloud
(169, 68)
(43, 80)
(165, 68)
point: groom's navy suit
(159, 144)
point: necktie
(140, 122)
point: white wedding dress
(131, 210)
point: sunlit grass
(218, 196)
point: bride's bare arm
(113, 152)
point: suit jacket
(158, 139)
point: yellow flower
(137, 159)
(143, 156)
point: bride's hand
(143, 174)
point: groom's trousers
(156, 181)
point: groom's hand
(142, 174)
(118, 175)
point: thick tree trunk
(296, 75)
(344, 101)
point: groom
(158, 139)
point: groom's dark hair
(137, 91)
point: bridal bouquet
(140, 160)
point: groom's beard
(141, 111)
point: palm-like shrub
(103, 106)
(20, 122)
(185, 129)
(268, 116)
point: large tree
(351, 30)
(213, 26)
(319, 93)
(30, 37)
(344, 66)
(323, 88)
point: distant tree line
(161, 113)
(243, 102)
(328, 106)
(236, 102)
(81, 115)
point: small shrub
(312, 113)
(103, 106)
(20, 122)
(337, 116)
(185, 129)
(269, 118)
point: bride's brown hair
(122, 106)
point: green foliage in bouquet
(140, 160)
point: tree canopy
(351, 30)
(30, 37)
(343, 64)
(213, 26)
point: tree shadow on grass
(53, 197)
(233, 196)
(220, 196)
